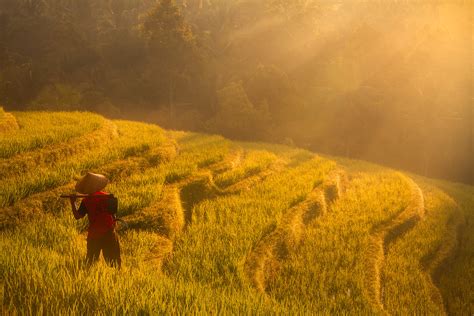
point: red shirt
(100, 220)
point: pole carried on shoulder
(81, 196)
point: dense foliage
(385, 81)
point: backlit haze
(384, 81)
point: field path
(384, 234)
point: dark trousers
(110, 247)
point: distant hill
(215, 226)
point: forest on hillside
(385, 81)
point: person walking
(99, 207)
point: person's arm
(78, 213)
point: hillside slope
(221, 226)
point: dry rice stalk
(164, 153)
(232, 161)
(196, 189)
(160, 252)
(166, 216)
(8, 123)
(335, 186)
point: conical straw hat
(91, 183)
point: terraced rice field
(215, 226)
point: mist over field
(385, 81)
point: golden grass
(435, 263)
(420, 252)
(238, 219)
(335, 185)
(328, 271)
(385, 233)
(263, 262)
(21, 185)
(453, 277)
(230, 162)
(39, 129)
(223, 227)
(53, 154)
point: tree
(237, 117)
(269, 84)
(171, 44)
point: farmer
(101, 233)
